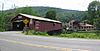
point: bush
(81, 35)
(67, 31)
(1, 29)
(40, 33)
(72, 35)
(32, 32)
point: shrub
(72, 35)
(81, 35)
(32, 32)
(40, 33)
(1, 29)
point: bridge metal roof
(39, 18)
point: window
(34, 22)
(54, 24)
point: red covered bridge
(35, 23)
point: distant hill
(62, 14)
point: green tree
(93, 11)
(97, 23)
(2, 21)
(26, 10)
(51, 14)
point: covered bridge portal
(35, 23)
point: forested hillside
(63, 15)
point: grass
(1, 30)
(81, 35)
(72, 35)
(31, 32)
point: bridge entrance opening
(18, 26)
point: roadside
(83, 35)
(73, 43)
(19, 33)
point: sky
(64, 4)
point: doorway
(18, 26)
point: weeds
(67, 35)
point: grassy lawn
(81, 35)
(85, 35)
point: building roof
(74, 21)
(82, 24)
(39, 18)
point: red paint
(40, 25)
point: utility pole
(2, 8)
(14, 8)
(2, 16)
(2, 12)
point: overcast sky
(64, 4)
